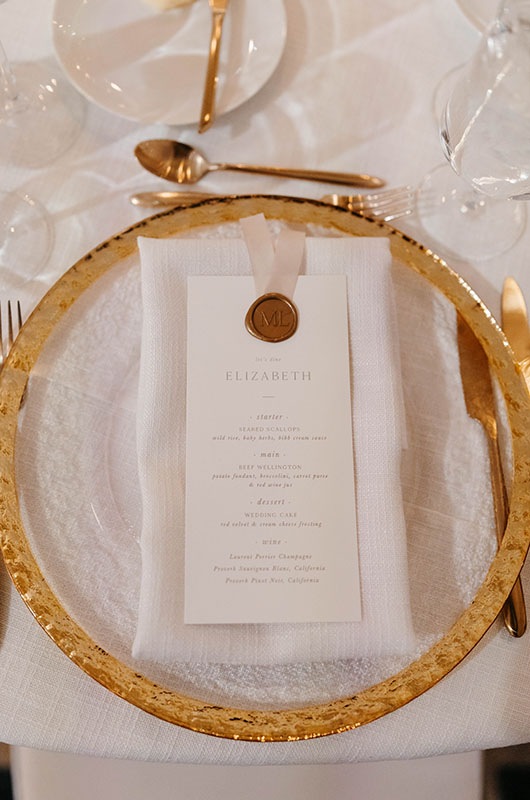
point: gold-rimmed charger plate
(239, 723)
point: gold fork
(386, 205)
(14, 324)
(13, 327)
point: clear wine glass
(479, 12)
(485, 134)
(41, 115)
(26, 237)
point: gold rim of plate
(285, 724)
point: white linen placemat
(378, 425)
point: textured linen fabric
(386, 626)
(75, 416)
(311, 113)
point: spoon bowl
(174, 161)
(181, 163)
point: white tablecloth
(353, 91)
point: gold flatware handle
(210, 84)
(163, 199)
(513, 611)
(343, 178)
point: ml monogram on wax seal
(272, 318)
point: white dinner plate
(150, 65)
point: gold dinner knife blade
(218, 9)
(480, 405)
(515, 325)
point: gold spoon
(176, 161)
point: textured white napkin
(378, 435)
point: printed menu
(270, 494)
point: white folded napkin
(378, 426)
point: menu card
(270, 497)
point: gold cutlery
(388, 204)
(162, 199)
(12, 329)
(176, 161)
(13, 325)
(218, 9)
(515, 325)
(480, 405)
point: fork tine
(386, 196)
(372, 197)
(390, 202)
(389, 217)
(386, 201)
(386, 205)
(386, 215)
(382, 202)
(400, 205)
(14, 324)
(9, 326)
(13, 321)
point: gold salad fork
(9, 329)
(386, 205)
(218, 9)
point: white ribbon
(273, 270)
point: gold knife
(480, 405)
(515, 325)
(218, 9)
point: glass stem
(8, 84)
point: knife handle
(513, 611)
(210, 84)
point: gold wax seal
(272, 318)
